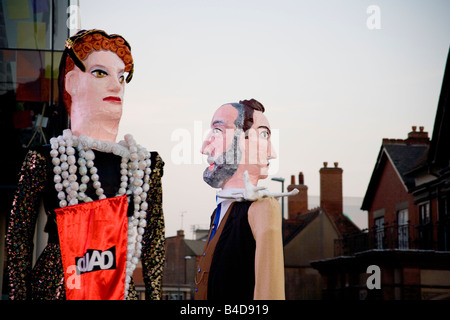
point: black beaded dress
(45, 280)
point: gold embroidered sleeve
(19, 239)
(153, 250)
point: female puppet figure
(103, 199)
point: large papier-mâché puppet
(243, 256)
(103, 199)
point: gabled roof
(292, 227)
(194, 247)
(439, 154)
(403, 158)
(343, 224)
(408, 159)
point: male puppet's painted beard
(224, 167)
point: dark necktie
(216, 221)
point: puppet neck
(100, 130)
(237, 180)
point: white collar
(227, 192)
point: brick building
(388, 198)
(309, 234)
(182, 256)
(409, 221)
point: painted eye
(122, 79)
(264, 134)
(98, 73)
(216, 130)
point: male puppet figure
(243, 258)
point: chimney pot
(336, 164)
(292, 179)
(325, 164)
(414, 128)
(301, 179)
(421, 128)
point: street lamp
(282, 190)
(188, 275)
(186, 258)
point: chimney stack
(298, 203)
(180, 233)
(414, 138)
(331, 197)
(417, 137)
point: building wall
(436, 284)
(391, 195)
(302, 283)
(179, 269)
(174, 271)
(315, 242)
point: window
(379, 232)
(32, 38)
(403, 224)
(444, 223)
(424, 213)
(425, 227)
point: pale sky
(336, 77)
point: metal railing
(396, 236)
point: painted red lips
(112, 99)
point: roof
(292, 227)
(439, 154)
(343, 224)
(403, 157)
(410, 159)
(194, 247)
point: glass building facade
(32, 38)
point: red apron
(93, 240)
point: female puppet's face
(97, 95)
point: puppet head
(239, 141)
(92, 76)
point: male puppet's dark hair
(245, 110)
(250, 106)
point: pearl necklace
(135, 176)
